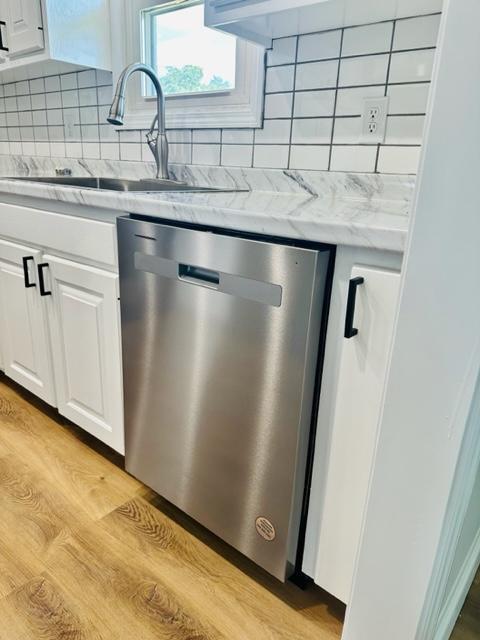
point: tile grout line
(292, 111)
(387, 78)
(335, 103)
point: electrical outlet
(374, 120)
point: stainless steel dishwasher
(221, 341)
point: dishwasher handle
(199, 275)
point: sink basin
(117, 184)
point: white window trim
(241, 107)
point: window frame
(237, 108)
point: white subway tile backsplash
(181, 153)
(178, 135)
(54, 116)
(88, 115)
(309, 157)
(86, 78)
(39, 101)
(68, 81)
(372, 38)
(207, 135)
(364, 70)
(416, 32)
(404, 129)
(57, 149)
(353, 158)
(318, 46)
(314, 125)
(278, 105)
(350, 102)
(42, 148)
(237, 136)
(21, 88)
(310, 104)
(237, 155)
(24, 103)
(73, 149)
(273, 132)
(130, 151)
(92, 150)
(54, 100)
(312, 131)
(411, 66)
(86, 97)
(347, 130)
(279, 79)
(206, 154)
(398, 159)
(270, 156)
(52, 83)
(408, 98)
(37, 85)
(316, 75)
(109, 151)
(282, 52)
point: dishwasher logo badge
(265, 528)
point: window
(210, 78)
(188, 57)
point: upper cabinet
(38, 32)
(254, 20)
(24, 27)
(261, 21)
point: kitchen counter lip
(342, 220)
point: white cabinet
(23, 322)
(85, 336)
(260, 20)
(38, 33)
(24, 26)
(59, 315)
(360, 382)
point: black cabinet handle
(41, 281)
(350, 330)
(26, 275)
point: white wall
(435, 357)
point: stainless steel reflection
(118, 184)
(220, 340)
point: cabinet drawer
(91, 240)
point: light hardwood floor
(89, 553)
(468, 624)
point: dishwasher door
(220, 342)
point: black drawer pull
(41, 281)
(26, 274)
(350, 330)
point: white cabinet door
(23, 322)
(85, 331)
(360, 386)
(24, 26)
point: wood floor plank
(38, 611)
(90, 480)
(86, 551)
(92, 566)
(240, 605)
(468, 624)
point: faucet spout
(156, 136)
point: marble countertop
(358, 213)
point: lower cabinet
(60, 337)
(85, 337)
(24, 341)
(360, 380)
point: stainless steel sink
(117, 184)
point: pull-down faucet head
(157, 141)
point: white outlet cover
(380, 105)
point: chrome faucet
(156, 140)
